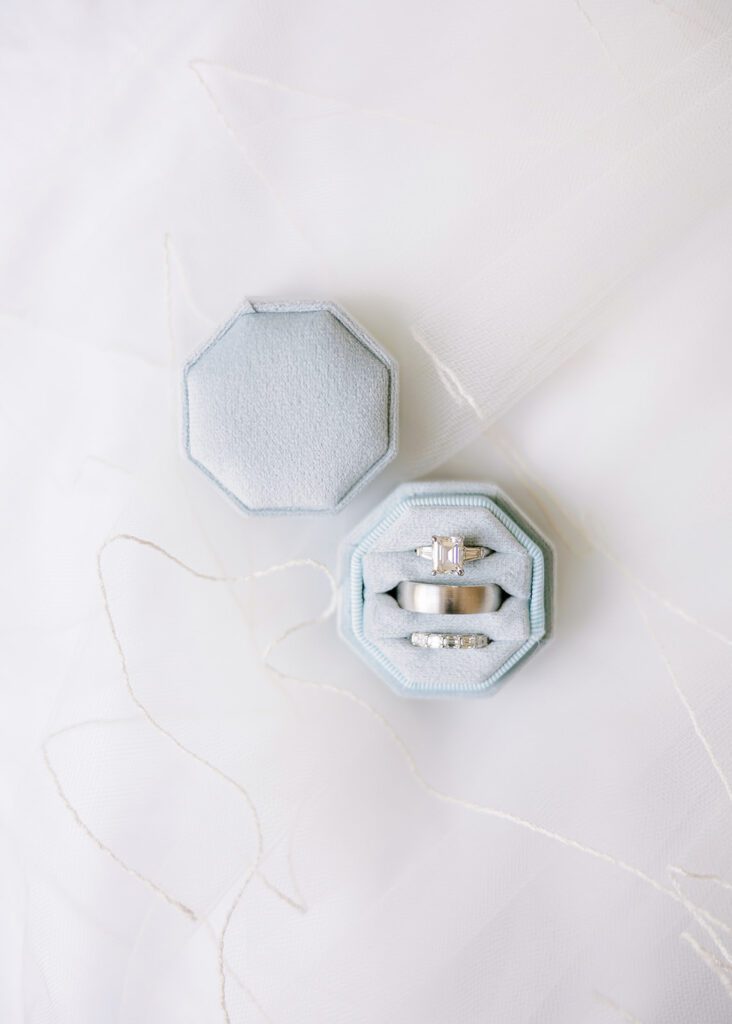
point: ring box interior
(381, 552)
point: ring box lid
(291, 408)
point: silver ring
(459, 641)
(448, 599)
(449, 555)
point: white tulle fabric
(212, 810)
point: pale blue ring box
(456, 495)
(291, 408)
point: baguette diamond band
(454, 641)
(449, 555)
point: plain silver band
(448, 599)
(469, 554)
(450, 641)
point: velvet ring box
(381, 552)
(291, 408)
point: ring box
(291, 408)
(381, 551)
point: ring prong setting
(449, 554)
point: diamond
(448, 556)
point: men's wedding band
(455, 641)
(449, 555)
(446, 599)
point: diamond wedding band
(449, 555)
(447, 599)
(459, 641)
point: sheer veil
(213, 811)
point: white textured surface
(561, 853)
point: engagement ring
(449, 555)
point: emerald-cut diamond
(448, 556)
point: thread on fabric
(714, 760)
(706, 921)
(298, 904)
(485, 809)
(684, 16)
(121, 351)
(431, 790)
(228, 967)
(182, 907)
(257, 574)
(595, 31)
(223, 964)
(697, 876)
(542, 497)
(450, 380)
(657, 596)
(617, 1008)
(290, 631)
(279, 201)
(168, 296)
(128, 681)
(284, 87)
(713, 962)
(222, 946)
(98, 842)
(602, 549)
(170, 256)
(298, 901)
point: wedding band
(446, 599)
(449, 555)
(461, 641)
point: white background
(530, 205)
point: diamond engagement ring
(458, 641)
(449, 555)
(448, 599)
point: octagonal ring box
(291, 408)
(380, 552)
